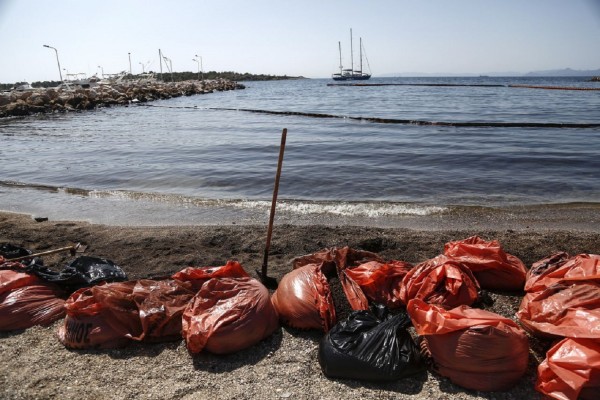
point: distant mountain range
(565, 72)
(550, 72)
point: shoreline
(118, 208)
(284, 365)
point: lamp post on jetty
(143, 71)
(129, 63)
(58, 62)
(201, 69)
(170, 65)
(198, 62)
(102, 69)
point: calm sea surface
(190, 160)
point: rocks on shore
(71, 98)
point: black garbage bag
(370, 345)
(8, 251)
(82, 272)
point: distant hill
(565, 72)
(550, 72)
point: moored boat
(350, 74)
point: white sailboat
(351, 74)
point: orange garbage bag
(25, 300)
(380, 282)
(441, 280)
(475, 349)
(335, 260)
(564, 309)
(303, 299)
(560, 267)
(14, 276)
(493, 268)
(571, 370)
(31, 305)
(228, 315)
(198, 275)
(114, 314)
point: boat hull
(362, 77)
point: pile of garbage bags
(31, 294)
(220, 309)
(217, 309)
(405, 318)
(467, 345)
(474, 348)
(562, 302)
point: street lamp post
(197, 61)
(101, 68)
(58, 62)
(170, 65)
(143, 71)
(129, 63)
(201, 69)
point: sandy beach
(35, 365)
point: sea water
(207, 159)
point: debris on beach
(476, 349)
(32, 294)
(224, 310)
(372, 345)
(562, 303)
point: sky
(296, 38)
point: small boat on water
(351, 74)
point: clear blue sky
(297, 37)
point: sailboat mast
(361, 55)
(351, 52)
(341, 67)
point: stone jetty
(68, 97)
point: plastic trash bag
(9, 251)
(563, 297)
(336, 261)
(198, 275)
(440, 280)
(493, 268)
(565, 309)
(334, 258)
(534, 280)
(571, 370)
(25, 300)
(27, 306)
(228, 315)
(371, 346)
(14, 276)
(114, 314)
(81, 272)
(560, 267)
(476, 349)
(380, 282)
(303, 299)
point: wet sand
(35, 365)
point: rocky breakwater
(73, 98)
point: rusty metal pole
(273, 204)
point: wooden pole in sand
(273, 203)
